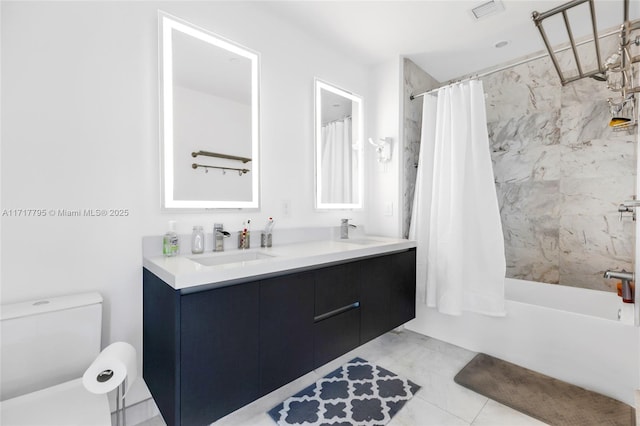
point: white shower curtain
(337, 162)
(456, 218)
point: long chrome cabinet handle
(336, 312)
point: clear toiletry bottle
(197, 240)
(170, 241)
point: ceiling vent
(486, 9)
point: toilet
(45, 347)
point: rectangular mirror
(209, 119)
(339, 148)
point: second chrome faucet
(344, 228)
(219, 234)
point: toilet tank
(47, 342)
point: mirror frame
(168, 24)
(320, 85)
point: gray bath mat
(547, 399)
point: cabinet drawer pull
(336, 312)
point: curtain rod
(506, 67)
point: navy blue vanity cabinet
(403, 288)
(286, 329)
(337, 312)
(211, 350)
(201, 349)
(219, 347)
(161, 342)
(376, 277)
(387, 293)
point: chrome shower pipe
(623, 58)
(625, 14)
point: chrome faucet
(621, 275)
(344, 228)
(626, 278)
(219, 234)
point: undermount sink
(224, 258)
(360, 241)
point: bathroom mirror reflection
(209, 117)
(339, 149)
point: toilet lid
(66, 404)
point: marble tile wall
(560, 174)
(415, 81)
(560, 170)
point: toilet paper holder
(121, 416)
(121, 412)
(115, 368)
(104, 375)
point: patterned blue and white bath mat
(358, 393)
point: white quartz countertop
(184, 271)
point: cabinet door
(337, 312)
(219, 352)
(286, 329)
(376, 278)
(403, 288)
(336, 287)
(336, 336)
(160, 337)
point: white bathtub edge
(595, 353)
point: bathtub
(569, 333)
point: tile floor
(428, 362)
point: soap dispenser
(197, 240)
(170, 241)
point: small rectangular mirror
(339, 147)
(210, 119)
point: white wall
(383, 204)
(80, 131)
